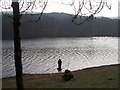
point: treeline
(59, 25)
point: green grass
(100, 77)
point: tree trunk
(17, 45)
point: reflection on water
(41, 55)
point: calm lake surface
(41, 55)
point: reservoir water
(41, 55)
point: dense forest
(59, 25)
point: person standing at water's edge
(59, 65)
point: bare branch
(79, 10)
(85, 8)
(28, 6)
(45, 4)
(21, 6)
(5, 7)
(88, 8)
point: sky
(58, 6)
(55, 7)
(110, 13)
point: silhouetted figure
(67, 75)
(59, 65)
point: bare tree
(84, 11)
(17, 13)
(17, 45)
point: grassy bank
(98, 77)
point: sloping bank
(97, 77)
